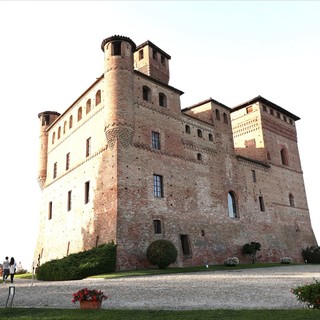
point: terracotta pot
(90, 304)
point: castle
(124, 163)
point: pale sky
(231, 51)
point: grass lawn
(77, 314)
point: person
(12, 268)
(5, 269)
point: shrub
(162, 253)
(311, 254)
(251, 248)
(80, 265)
(231, 262)
(309, 294)
(285, 260)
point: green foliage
(162, 253)
(80, 265)
(251, 248)
(311, 254)
(309, 294)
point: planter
(90, 304)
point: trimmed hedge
(101, 259)
(162, 253)
(311, 254)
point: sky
(231, 51)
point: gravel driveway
(267, 288)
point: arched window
(284, 157)
(199, 133)
(70, 122)
(79, 113)
(98, 97)
(199, 156)
(162, 100)
(291, 200)
(232, 205)
(59, 132)
(146, 93)
(210, 136)
(64, 127)
(217, 114)
(187, 128)
(88, 106)
(225, 118)
(53, 137)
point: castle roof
(204, 102)
(152, 45)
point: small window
(116, 48)
(88, 147)
(261, 203)
(45, 120)
(157, 226)
(68, 248)
(88, 106)
(64, 127)
(55, 168)
(87, 192)
(185, 244)
(59, 133)
(284, 157)
(158, 186)
(146, 93)
(50, 210)
(162, 100)
(199, 133)
(278, 115)
(271, 111)
(249, 109)
(264, 108)
(291, 200)
(210, 136)
(225, 118)
(154, 54)
(163, 60)
(285, 118)
(53, 137)
(199, 156)
(155, 140)
(187, 128)
(79, 113)
(254, 177)
(98, 97)
(70, 122)
(97, 241)
(67, 161)
(217, 114)
(69, 200)
(141, 54)
(232, 205)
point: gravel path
(267, 288)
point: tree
(251, 248)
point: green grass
(77, 314)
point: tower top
(118, 38)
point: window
(53, 137)
(146, 93)
(284, 157)
(155, 140)
(98, 97)
(87, 192)
(154, 54)
(254, 177)
(217, 114)
(162, 100)
(97, 241)
(45, 120)
(50, 211)
(157, 186)
(232, 205)
(64, 127)
(55, 168)
(199, 133)
(225, 118)
(199, 157)
(271, 111)
(163, 60)
(264, 108)
(249, 109)
(141, 54)
(157, 226)
(210, 136)
(261, 203)
(187, 128)
(88, 147)
(69, 200)
(185, 244)
(116, 48)
(67, 161)
(291, 200)
(79, 113)
(88, 106)
(59, 133)
(70, 122)
(68, 248)
(278, 115)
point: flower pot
(90, 304)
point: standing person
(12, 268)
(5, 269)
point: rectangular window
(88, 147)
(141, 54)
(155, 140)
(249, 109)
(55, 166)
(157, 186)
(50, 211)
(185, 245)
(254, 177)
(157, 226)
(87, 192)
(116, 48)
(69, 200)
(67, 161)
(261, 202)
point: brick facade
(98, 166)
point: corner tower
(118, 74)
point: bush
(309, 294)
(285, 260)
(162, 253)
(311, 254)
(80, 265)
(231, 262)
(251, 248)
